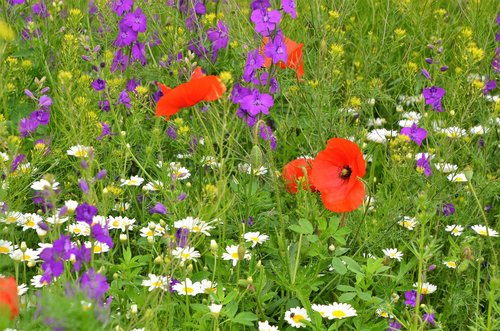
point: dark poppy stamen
(345, 173)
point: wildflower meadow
(249, 165)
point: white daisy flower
(147, 232)
(450, 264)
(30, 221)
(377, 122)
(80, 151)
(56, 220)
(186, 253)
(133, 181)
(121, 206)
(427, 288)
(323, 310)
(215, 309)
(408, 222)
(6, 247)
(4, 157)
(247, 168)
(37, 283)
(156, 282)
(412, 116)
(79, 229)
(265, 326)
(194, 225)
(295, 316)
(232, 254)
(30, 255)
(484, 231)
(393, 253)
(454, 132)
(99, 247)
(44, 184)
(255, 238)
(187, 287)
(340, 311)
(208, 287)
(459, 178)
(22, 289)
(178, 171)
(454, 229)
(71, 205)
(153, 186)
(11, 217)
(209, 161)
(446, 167)
(382, 313)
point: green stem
(297, 260)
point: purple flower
(85, 212)
(17, 160)
(429, 60)
(135, 21)
(238, 93)
(446, 209)
(158, 208)
(124, 99)
(104, 105)
(257, 102)
(82, 255)
(101, 174)
(219, 38)
(254, 62)
(138, 53)
(265, 21)
(94, 285)
(40, 9)
(44, 102)
(260, 4)
(411, 298)
(171, 132)
(394, 326)
(121, 7)
(199, 8)
(426, 74)
(433, 96)
(266, 133)
(289, 7)
(83, 185)
(181, 236)
(495, 64)
(242, 113)
(415, 133)
(119, 61)
(40, 116)
(15, 2)
(443, 68)
(498, 20)
(105, 131)
(27, 126)
(424, 164)
(431, 267)
(490, 85)
(181, 197)
(99, 84)
(429, 318)
(132, 84)
(101, 234)
(196, 46)
(126, 37)
(276, 49)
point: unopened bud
(116, 276)
(123, 237)
(133, 309)
(158, 259)
(31, 264)
(331, 248)
(23, 247)
(190, 268)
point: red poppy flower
(8, 296)
(294, 51)
(294, 171)
(198, 88)
(335, 173)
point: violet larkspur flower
(40, 9)
(27, 126)
(135, 21)
(238, 93)
(126, 37)
(40, 116)
(121, 7)
(171, 132)
(105, 131)
(181, 236)
(266, 133)
(446, 209)
(101, 234)
(424, 165)
(289, 7)
(83, 185)
(120, 60)
(94, 285)
(260, 4)
(394, 326)
(426, 74)
(101, 174)
(44, 102)
(265, 21)
(429, 318)
(242, 113)
(433, 96)
(104, 105)
(219, 38)
(99, 84)
(138, 53)
(85, 212)
(257, 102)
(415, 133)
(276, 50)
(158, 208)
(15, 2)
(411, 298)
(489, 86)
(196, 46)
(124, 99)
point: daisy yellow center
(254, 238)
(483, 232)
(30, 223)
(185, 255)
(297, 318)
(11, 219)
(455, 230)
(26, 257)
(149, 233)
(4, 250)
(451, 264)
(157, 284)
(189, 290)
(77, 230)
(132, 182)
(384, 314)
(407, 224)
(116, 223)
(234, 255)
(196, 228)
(81, 153)
(425, 290)
(97, 249)
(338, 314)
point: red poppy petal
(340, 202)
(326, 174)
(294, 171)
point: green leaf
(365, 296)
(338, 266)
(346, 288)
(353, 265)
(304, 227)
(348, 296)
(322, 224)
(245, 318)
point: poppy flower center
(345, 173)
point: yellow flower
(6, 32)
(477, 84)
(233, 44)
(26, 64)
(355, 102)
(334, 14)
(178, 121)
(440, 12)
(142, 90)
(466, 32)
(183, 129)
(400, 33)
(64, 76)
(226, 77)
(412, 67)
(337, 49)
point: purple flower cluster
(192, 9)
(424, 164)
(219, 36)
(94, 285)
(131, 24)
(433, 96)
(39, 117)
(446, 209)
(62, 250)
(411, 298)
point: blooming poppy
(335, 173)
(294, 171)
(294, 51)
(8, 296)
(198, 88)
